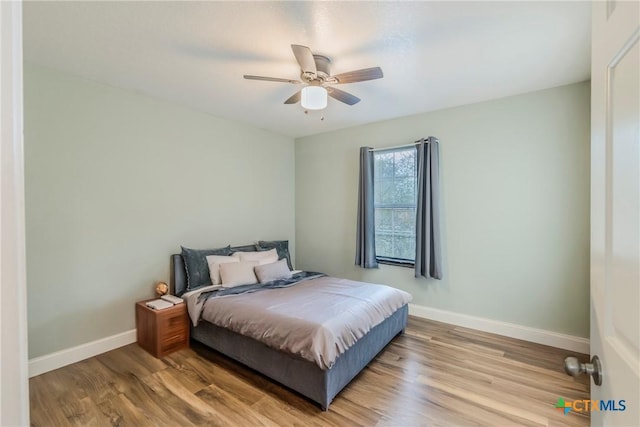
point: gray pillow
(282, 246)
(244, 248)
(274, 271)
(195, 264)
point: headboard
(178, 275)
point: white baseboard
(540, 336)
(49, 362)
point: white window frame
(385, 259)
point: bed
(320, 383)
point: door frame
(14, 388)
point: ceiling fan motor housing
(322, 71)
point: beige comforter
(318, 319)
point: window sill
(386, 261)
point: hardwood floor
(436, 374)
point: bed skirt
(298, 374)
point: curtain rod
(398, 146)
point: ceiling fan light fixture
(317, 81)
(314, 98)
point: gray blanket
(317, 319)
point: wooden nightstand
(161, 332)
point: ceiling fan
(315, 73)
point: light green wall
(116, 182)
(515, 175)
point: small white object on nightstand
(158, 304)
(172, 299)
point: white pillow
(262, 257)
(239, 273)
(214, 262)
(274, 271)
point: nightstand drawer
(173, 323)
(170, 347)
(172, 336)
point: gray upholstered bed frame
(303, 376)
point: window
(395, 195)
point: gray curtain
(365, 235)
(428, 235)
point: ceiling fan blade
(342, 96)
(272, 79)
(305, 58)
(294, 99)
(359, 75)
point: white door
(615, 209)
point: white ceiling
(433, 54)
